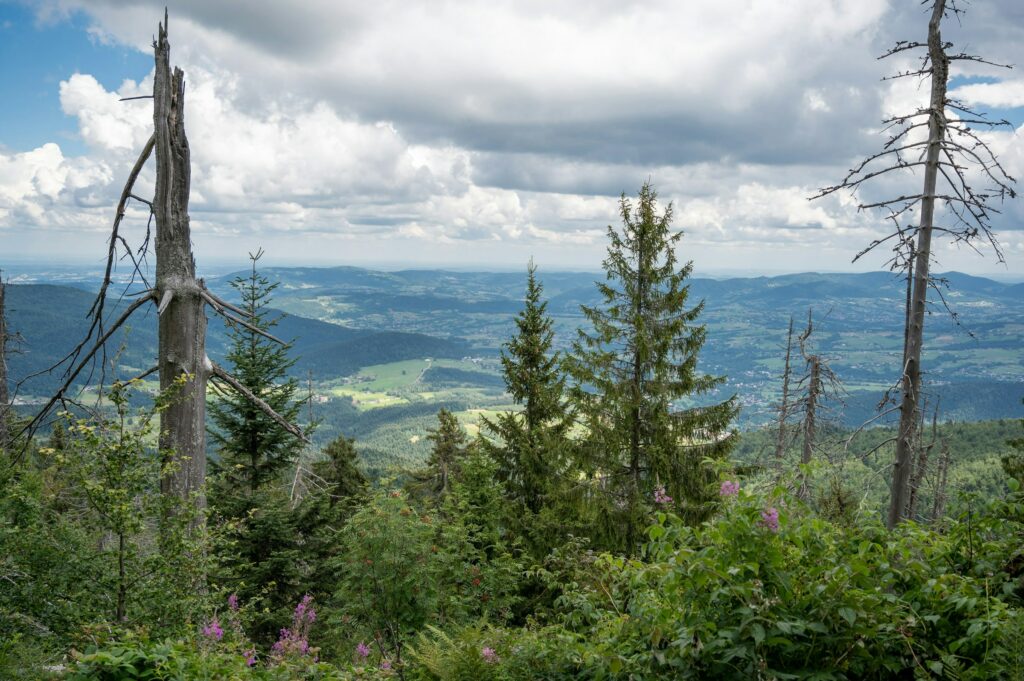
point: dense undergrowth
(766, 589)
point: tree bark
(911, 393)
(780, 443)
(810, 427)
(182, 327)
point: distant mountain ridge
(51, 320)
(346, 318)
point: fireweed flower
(304, 610)
(729, 488)
(250, 657)
(233, 602)
(385, 665)
(770, 519)
(363, 650)
(490, 657)
(660, 497)
(295, 641)
(213, 630)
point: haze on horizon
(478, 135)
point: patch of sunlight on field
(393, 376)
(365, 400)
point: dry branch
(220, 373)
(73, 372)
(217, 306)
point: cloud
(461, 125)
(1003, 95)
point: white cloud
(451, 129)
(1003, 94)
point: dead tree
(180, 297)
(961, 174)
(182, 362)
(784, 407)
(939, 503)
(921, 461)
(819, 383)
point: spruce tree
(253, 448)
(339, 471)
(527, 446)
(639, 358)
(449, 447)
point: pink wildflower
(385, 665)
(660, 497)
(233, 602)
(213, 630)
(363, 650)
(490, 657)
(770, 519)
(250, 657)
(729, 488)
(304, 610)
(295, 641)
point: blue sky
(483, 134)
(35, 56)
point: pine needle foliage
(637, 359)
(450, 446)
(253, 448)
(528, 445)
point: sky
(480, 134)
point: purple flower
(233, 602)
(250, 657)
(729, 488)
(363, 650)
(304, 610)
(770, 519)
(490, 657)
(385, 665)
(213, 630)
(295, 641)
(660, 497)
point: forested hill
(975, 365)
(51, 319)
(347, 318)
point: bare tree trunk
(5, 431)
(909, 412)
(813, 394)
(784, 407)
(939, 504)
(182, 334)
(921, 464)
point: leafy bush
(768, 590)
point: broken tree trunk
(182, 361)
(911, 393)
(784, 407)
(5, 430)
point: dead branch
(223, 375)
(231, 319)
(73, 372)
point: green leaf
(848, 614)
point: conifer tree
(450, 446)
(528, 446)
(339, 471)
(253, 447)
(639, 358)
